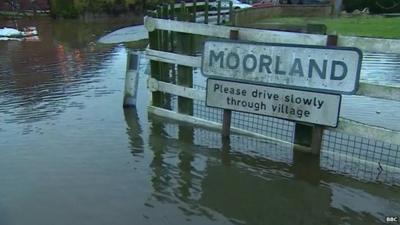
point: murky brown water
(70, 154)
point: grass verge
(368, 26)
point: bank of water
(70, 154)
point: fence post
(172, 17)
(131, 79)
(194, 11)
(226, 122)
(230, 11)
(185, 73)
(206, 12)
(157, 97)
(219, 12)
(165, 34)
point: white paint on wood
(379, 91)
(359, 161)
(173, 58)
(248, 34)
(206, 123)
(371, 44)
(244, 33)
(367, 131)
(346, 126)
(155, 85)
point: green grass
(368, 26)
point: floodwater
(70, 154)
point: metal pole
(226, 123)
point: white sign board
(325, 69)
(304, 106)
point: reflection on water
(211, 186)
(38, 77)
(69, 153)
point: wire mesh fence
(361, 158)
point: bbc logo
(392, 219)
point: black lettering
(341, 64)
(307, 113)
(216, 58)
(314, 66)
(265, 64)
(235, 58)
(228, 100)
(297, 68)
(254, 94)
(216, 87)
(263, 106)
(299, 113)
(307, 101)
(238, 91)
(246, 63)
(277, 63)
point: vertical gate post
(131, 79)
(219, 12)
(227, 117)
(184, 76)
(172, 34)
(185, 73)
(157, 97)
(206, 12)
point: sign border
(296, 121)
(356, 85)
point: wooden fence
(172, 34)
